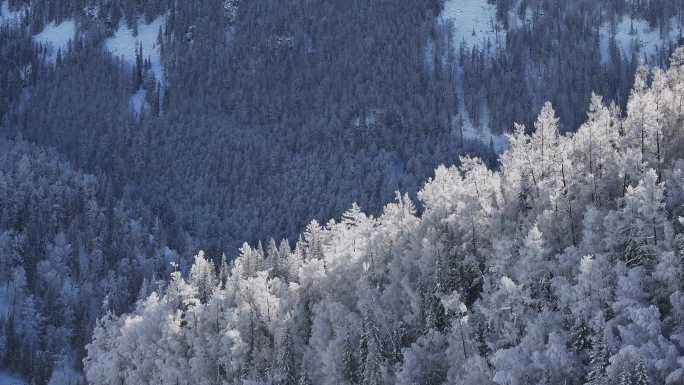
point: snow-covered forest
(535, 235)
(65, 259)
(563, 266)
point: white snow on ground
(474, 22)
(124, 44)
(56, 37)
(138, 101)
(470, 132)
(627, 32)
(7, 16)
(64, 374)
(10, 379)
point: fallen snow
(474, 22)
(482, 134)
(10, 379)
(7, 16)
(138, 101)
(124, 44)
(628, 32)
(64, 374)
(56, 37)
(508, 284)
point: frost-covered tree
(566, 273)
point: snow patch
(7, 16)
(56, 37)
(508, 284)
(7, 378)
(474, 22)
(64, 375)
(586, 264)
(482, 134)
(370, 119)
(124, 44)
(637, 33)
(138, 101)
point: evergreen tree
(598, 357)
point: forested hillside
(562, 51)
(134, 133)
(564, 266)
(256, 126)
(66, 258)
(244, 119)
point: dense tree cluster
(66, 258)
(20, 61)
(269, 110)
(563, 51)
(270, 113)
(564, 266)
(266, 114)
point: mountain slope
(564, 266)
(68, 254)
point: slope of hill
(565, 266)
(243, 120)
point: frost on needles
(564, 266)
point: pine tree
(12, 345)
(372, 364)
(581, 336)
(363, 349)
(643, 221)
(679, 249)
(625, 377)
(273, 257)
(304, 376)
(286, 371)
(312, 239)
(284, 254)
(545, 139)
(640, 374)
(224, 272)
(138, 68)
(203, 277)
(349, 364)
(434, 313)
(598, 357)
